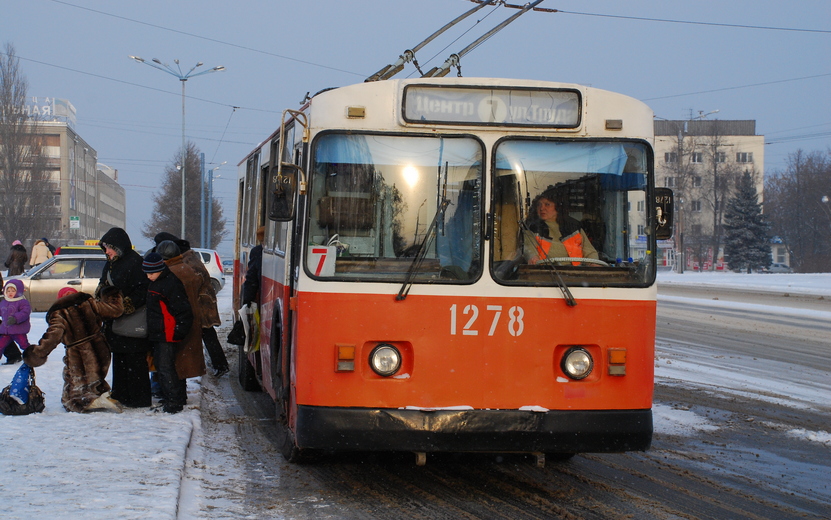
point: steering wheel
(577, 259)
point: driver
(553, 234)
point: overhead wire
(691, 22)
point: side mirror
(664, 210)
(282, 198)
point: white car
(214, 266)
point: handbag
(132, 325)
(237, 334)
(22, 396)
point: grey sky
(276, 51)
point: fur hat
(153, 263)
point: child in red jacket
(169, 319)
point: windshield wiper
(555, 274)
(415, 267)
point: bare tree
(26, 185)
(167, 211)
(798, 206)
(717, 185)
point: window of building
(697, 157)
(669, 182)
(641, 205)
(721, 157)
(696, 181)
(695, 205)
(641, 229)
(670, 157)
(744, 157)
(780, 255)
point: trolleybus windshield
(572, 208)
(378, 202)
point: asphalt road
(749, 466)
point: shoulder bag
(132, 325)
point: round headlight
(385, 359)
(577, 363)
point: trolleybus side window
(382, 206)
(250, 201)
(591, 237)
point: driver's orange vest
(573, 244)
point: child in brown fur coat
(75, 320)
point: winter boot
(105, 403)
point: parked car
(78, 250)
(778, 268)
(214, 265)
(228, 266)
(79, 271)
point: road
(755, 449)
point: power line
(690, 22)
(214, 40)
(738, 87)
(99, 76)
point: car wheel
(216, 285)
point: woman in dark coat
(17, 259)
(131, 374)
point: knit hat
(153, 263)
(66, 291)
(17, 243)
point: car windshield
(573, 211)
(391, 208)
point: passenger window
(94, 268)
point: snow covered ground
(131, 465)
(672, 365)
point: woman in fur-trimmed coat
(76, 321)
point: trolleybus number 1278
(514, 320)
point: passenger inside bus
(551, 234)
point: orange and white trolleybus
(456, 264)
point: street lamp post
(206, 204)
(183, 77)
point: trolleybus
(406, 301)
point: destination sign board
(559, 108)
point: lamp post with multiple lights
(183, 77)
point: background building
(701, 161)
(82, 199)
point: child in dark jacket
(169, 319)
(15, 311)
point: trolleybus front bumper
(553, 431)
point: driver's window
(63, 269)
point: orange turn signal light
(345, 358)
(617, 361)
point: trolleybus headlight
(577, 363)
(385, 359)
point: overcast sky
(748, 59)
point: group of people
(168, 291)
(19, 258)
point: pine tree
(167, 211)
(746, 243)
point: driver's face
(546, 210)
